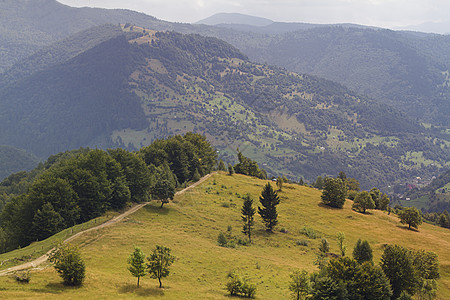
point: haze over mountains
(124, 86)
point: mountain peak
(235, 18)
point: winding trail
(42, 259)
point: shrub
(68, 263)
(222, 240)
(23, 276)
(238, 286)
(302, 243)
(309, 232)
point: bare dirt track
(42, 259)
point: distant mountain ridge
(235, 18)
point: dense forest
(75, 186)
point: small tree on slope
(159, 263)
(269, 200)
(248, 213)
(136, 262)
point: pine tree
(136, 262)
(362, 252)
(248, 213)
(230, 169)
(269, 200)
(221, 166)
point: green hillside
(168, 83)
(13, 160)
(190, 225)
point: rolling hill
(190, 225)
(168, 83)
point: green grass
(190, 225)
(37, 249)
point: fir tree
(362, 252)
(269, 200)
(248, 213)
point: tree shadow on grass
(327, 206)
(156, 209)
(406, 228)
(141, 291)
(56, 288)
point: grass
(37, 249)
(190, 225)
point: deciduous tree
(363, 201)
(69, 264)
(299, 284)
(410, 216)
(136, 262)
(159, 263)
(398, 266)
(334, 192)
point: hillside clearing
(190, 225)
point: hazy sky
(382, 13)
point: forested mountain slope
(72, 104)
(13, 160)
(140, 85)
(405, 69)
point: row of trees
(82, 186)
(158, 265)
(335, 191)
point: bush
(23, 276)
(238, 286)
(309, 232)
(222, 240)
(68, 263)
(302, 243)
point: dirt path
(40, 260)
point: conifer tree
(248, 213)
(269, 200)
(230, 169)
(362, 252)
(222, 166)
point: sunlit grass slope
(190, 226)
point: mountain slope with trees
(407, 70)
(162, 84)
(190, 225)
(13, 160)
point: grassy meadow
(190, 225)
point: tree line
(72, 188)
